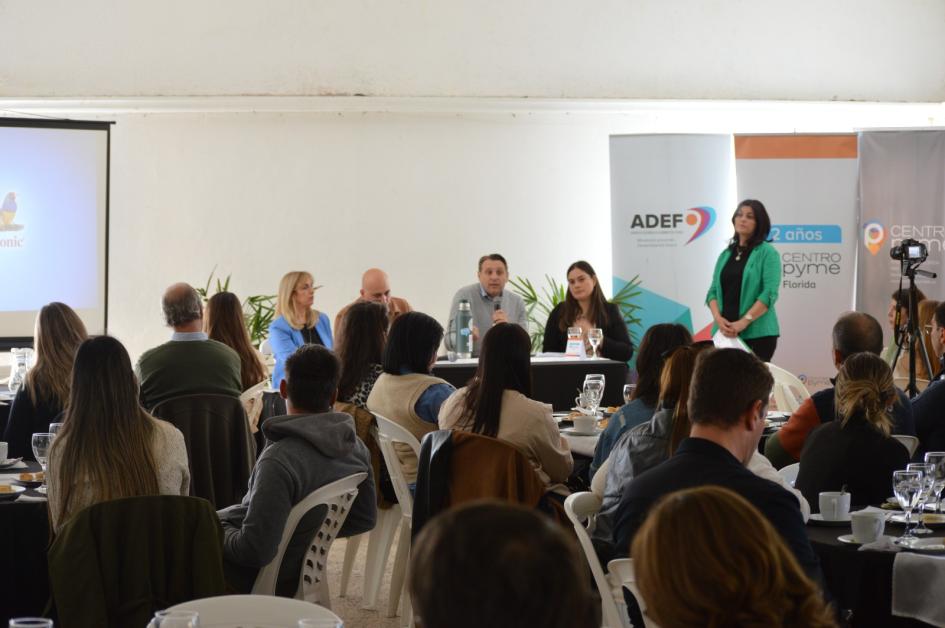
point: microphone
(497, 305)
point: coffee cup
(834, 505)
(584, 424)
(3, 451)
(867, 525)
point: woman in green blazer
(745, 282)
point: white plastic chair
(313, 579)
(789, 391)
(620, 572)
(230, 611)
(581, 507)
(265, 347)
(389, 433)
(252, 403)
(911, 443)
(789, 473)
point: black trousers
(763, 347)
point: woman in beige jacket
(496, 403)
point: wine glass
(595, 336)
(41, 443)
(593, 391)
(175, 619)
(628, 392)
(906, 486)
(937, 460)
(927, 479)
(55, 427)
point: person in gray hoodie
(308, 448)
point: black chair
(116, 563)
(220, 449)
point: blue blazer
(285, 339)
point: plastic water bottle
(463, 330)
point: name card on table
(575, 348)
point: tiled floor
(349, 607)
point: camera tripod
(910, 334)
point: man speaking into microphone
(488, 301)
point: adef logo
(702, 217)
(874, 234)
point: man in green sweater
(190, 363)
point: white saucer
(818, 519)
(572, 432)
(848, 538)
(927, 546)
(9, 462)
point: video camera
(911, 251)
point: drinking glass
(20, 367)
(30, 622)
(595, 336)
(628, 392)
(176, 619)
(574, 333)
(937, 460)
(41, 443)
(55, 427)
(906, 486)
(593, 391)
(927, 479)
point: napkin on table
(918, 582)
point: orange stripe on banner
(795, 147)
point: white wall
(422, 192)
(875, 50)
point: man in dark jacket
(308, 448)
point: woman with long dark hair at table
(109, 447)
(224, 322)
(59, 332)
(584, 306)
(362, 351)
(497, 403)
(746, 281)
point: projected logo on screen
(8, 213)
(702, 217)
(873, 236)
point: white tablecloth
(583, 445)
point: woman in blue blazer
(296, 323)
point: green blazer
(760, 282)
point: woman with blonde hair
(855, 449)
(109, 446)
(224, 322)
(296, 322)
(59, 332)
(706, 557)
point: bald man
(375, 287)
(190, 363)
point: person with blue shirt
(406, 392)
(296, 323)
(658, 342)
(745, 283)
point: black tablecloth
(24, 535)
(859, 581)
(557, 383)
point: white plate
(9, 462)
(927, 546)
(818, 519)
(930, 519)
(13, 494)
(848, 538)
(572, 432)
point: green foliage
(539, 306)
(258, 309)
